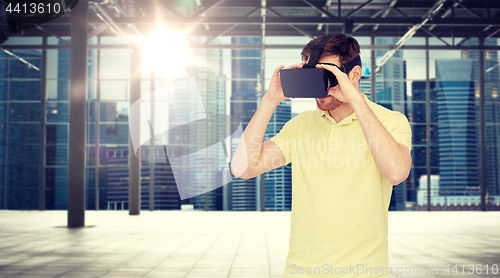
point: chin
(328, 104)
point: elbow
(239, 172)
(243, 175)
(401, 171)
(396, 180)
(398, 177)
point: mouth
(323, 98)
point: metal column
(482, 128)
(43, 105)
(152, 148)
(207, 130)
(134, 191)
(263, 92)
(428, 125)
(97, 121)
(77, 116)
(372, 77)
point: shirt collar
(348, 119)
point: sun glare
(166, 52)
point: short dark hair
(346, 47)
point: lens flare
(166, 51)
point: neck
(341, 112)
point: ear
(355, 74)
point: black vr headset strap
(313, 59)
(347, 67)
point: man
(346, 156)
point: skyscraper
(492, 109)
(458, 153)
(390, 83)
(247, 91)
(419, 135)
(279, 181)
(114, 176)
(246, 70)
(20, 93)
(212, 87)
(390, 86)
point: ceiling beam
(170, 8)
(373, 16)
(305, 33)
(320, 9)
(252, 12)
(428, 16)
(286, 30)
(468, 9)
(273, 11)
(220, 34)
(51, 33)
(213, 37)
(99, 29)
(423, 28)
(207, 8)
(358, 9)
(492, 34)
(476, 34)
(327, 4)
(386, 12)
(298, 20)
(270, 46)
(30, 65)
(108, 19)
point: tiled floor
(222, 244)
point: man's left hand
(345, 90)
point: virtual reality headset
(309, 81)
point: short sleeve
(398, 126)
(284, 138)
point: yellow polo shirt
(340, 199)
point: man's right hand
(252, 157)
(275, 92)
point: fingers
(328, 67)
(297, 66)
(332, 69)
(277, 70)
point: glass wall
(20, 123)
(113, 139)
(233, 85)
(492, 126)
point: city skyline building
(278, 183)
(491, 111)
(20, 109)
(247, 92)
(457, 121)
(212, 88)
(443, 200)
(246, 68)
(390, 83)
(390, 87)
(419, 135)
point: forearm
(389, 156)
(248, 151)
